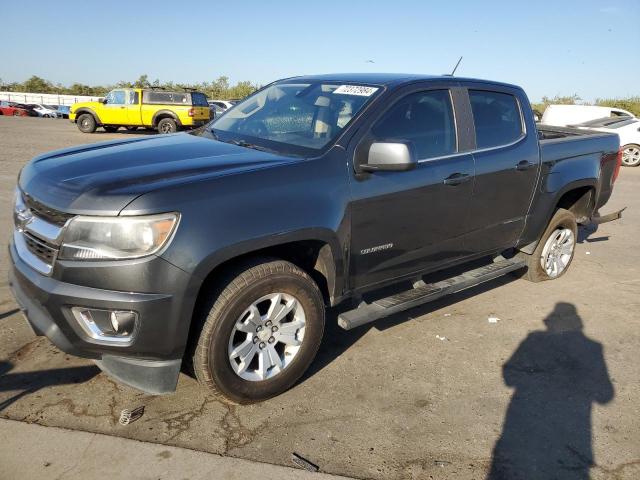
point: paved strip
(36, 452)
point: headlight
(112, 238)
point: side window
(424, 118)
(132, 97)
(116, 97)
(496, 117)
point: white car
(223, 104)
(46, 111)
(627, 128)
(565, 115)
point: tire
(631, 155)
(110, 128)
(86, 123)
(16, 113)
(561, 234)
(167, 125)
(231, 303)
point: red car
(6, 109)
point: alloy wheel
(557, 252)
(267, 337)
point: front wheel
(631, 155)
(555, 251)
(261, 332)
(86, 123)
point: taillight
(616, 170)
(192, 112)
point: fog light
(123, 322)
(106, 326)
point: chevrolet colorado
(222, 247)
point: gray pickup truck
(219, 249)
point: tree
(36, 84)
(142, 82)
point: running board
(424, 293)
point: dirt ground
(551, 388)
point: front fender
(80, 111)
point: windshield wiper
(244, 143)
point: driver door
(114, 109)
(406, 222)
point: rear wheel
(555, 251)
(631, 155)
(86, 123)
(110, 129)
(263, 328)
(167, 125)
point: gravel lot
(419, 395)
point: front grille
(40, 249)
(49, 214)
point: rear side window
(496, 117)
(161, 97)
(425, 119)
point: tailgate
(201, 113)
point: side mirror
(388, 156)
(104, 100)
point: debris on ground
(441, 338)
(304, 463)
(447, 314)
(588, 253)
(493, 319)
(130, 416)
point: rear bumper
(196, 123)
(47, 303)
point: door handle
(457, 179)
(524, 165)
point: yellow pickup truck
(166, 111)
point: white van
(565, 115)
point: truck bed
(558, 143)
(587, 150)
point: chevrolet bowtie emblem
(22, 218)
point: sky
(560, 47)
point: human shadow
(558, 374)
(25, 383)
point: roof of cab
(388, 79)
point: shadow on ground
(558, 374)
(25, 383)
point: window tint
(199, 99)
(115, 97)
(424, 118)
(496, 117)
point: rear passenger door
(507, 164)
(134, 114)
(407, 222)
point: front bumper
(150, 363)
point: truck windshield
(290, 114)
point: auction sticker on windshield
(360, 90)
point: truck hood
(103, 178)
